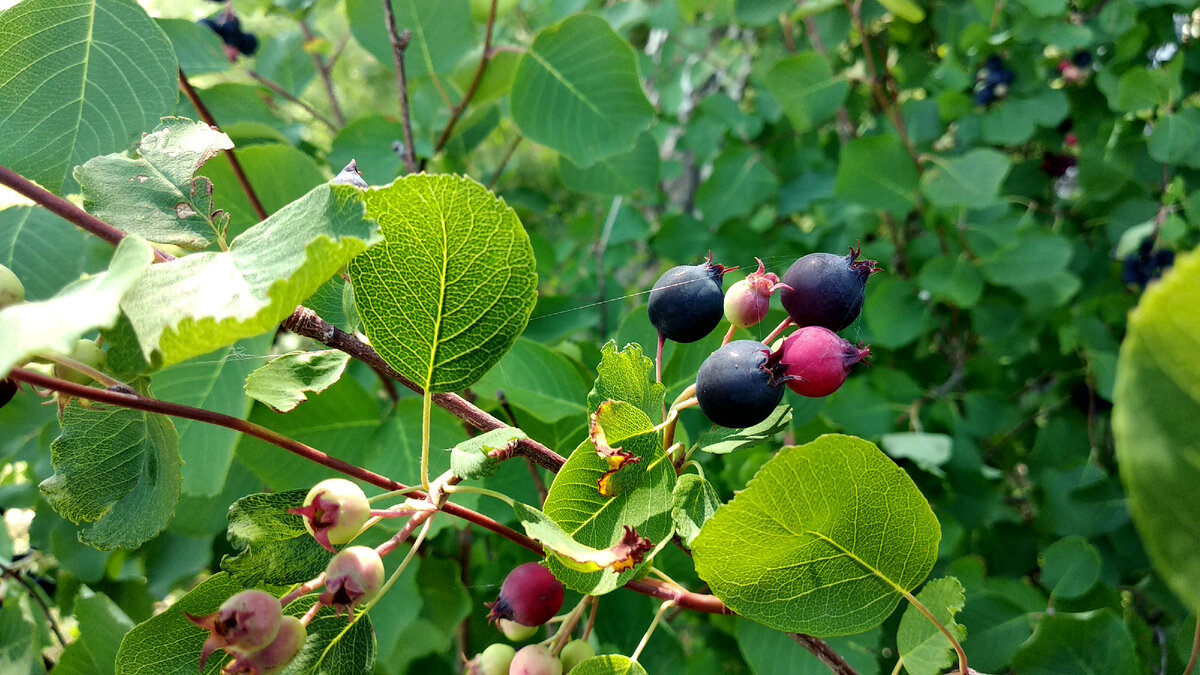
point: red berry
(246, 622)
(535, 660)
(825, 289)
(530, 595)
(818, 360)
(352, 578)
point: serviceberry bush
(752, 336)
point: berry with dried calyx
(817, 360)
(530, 595)
(246, 622)
(747, 301)
(740, 384)
(826, 289)
(334, 511)
(281, 651)
(686, 303)
(353, 577)
(495, 660)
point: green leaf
(642, 499)
(212, 382)
(272, 546)
(54, 325)
(538, 380)
(157, 195)
(695, 501)
(80, 79)
(905, 9)
(721, 441)
(451, 288)
(971, 181)
(198, 47)
(759, 12)
(1078, 644)
(1030, 257)
(894, 312)
(102, 625)
(577, 91)
(620, 174)
(626, 376)
(928, 451)
(923, 648)
(952, 279)
(770, 652)
(609, 664)
(19, 643)
(43, 250)
(285, 61)
(1155, 403)
(737, 171)
(333, 647)
(368, 141)
(275, 188)
(281, 383)
(1176, 138)
(822, 541)
(997, 626)
(470, 460)
(442, 33)
(205, 301)
(117, 469)
(807, 89)
(142, 652)
(877, 173)
(1140, 89)
(560, 547)
(1070, 567)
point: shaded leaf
(877, 173)
(281, 383)
(720, 441)
(928, 451)
(619, 174)
(807, 89)
(695, 501)
(1070, 567)
(970, 181)
(609, 664)
(272, 545)
(102, 626)
(1078, 644)
(924, 650)
(473, 458)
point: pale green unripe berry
(334, 511)
(494, 660)
(86, 352)
(514, 631)
(574, 653)
(11, 289)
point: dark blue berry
(1082, 59)
(826, 289)
(687, 302)
(1139, 269)
(247, 43)
(740, 384)
(985, 96)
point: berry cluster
(251, 628)
(1077, 69)
(529, 597)
(741, 383)
(1140, 268)
(992, 81)
(230, 29)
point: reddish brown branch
(824, 653)
(326, 81)
(484, 58)
(234, 164)
(399, 44)
(279, 90)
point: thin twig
(824, 653)
(399, 44)
(234, 164)
(504, 161)
(33, 592)
(484, 58)
(845, 127)
(890, 111)
(1191, 664)
(66, 210)
(326, 80)
(275, 87)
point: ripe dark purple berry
(740, 384)
(535, 660)
(817, 360)
(530, 595)
(826, 289)
(687, 302)
(245, 623)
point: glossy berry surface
(535, 660)
(575, 652)
(353, 577)
(530, 595)
(826, 289)
(12, 290)
(334, 511)
(687, 302)
(818, 360)
(747, 301)
(494, 660)
(740, 384)
(245, 623)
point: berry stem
(323, 69)
(84, 368)
(563, 635)
(650, 631)
(783, 326)
(1191, 664)
(729, 335)
(426, 408)
(471, 489)
(587, 630)
(303, 589)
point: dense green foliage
(1021, 455)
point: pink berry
(246, 622)
(530, 595)
(280, 652)
(535, 660)
(334, 511)
(352, 578)
(818, 360)
(747, 301)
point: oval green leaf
(822, 541)
(577, 91)
(453, 284)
